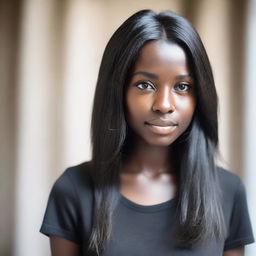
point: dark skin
(160, 102)
(161, 88)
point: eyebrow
(154, 76)
(148, 74)
(184, 76)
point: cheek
(187, 108)
(136, 108)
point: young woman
(152, 186)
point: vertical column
(84, 42)
(39, 98)
(250, 117)
(9, 23)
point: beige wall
(249, 113)
(50, 56)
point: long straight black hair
(199, 207)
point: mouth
(161, 123)
(162, 129)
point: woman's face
(161, 97)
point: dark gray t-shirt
(140, 230)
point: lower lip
(164, 130)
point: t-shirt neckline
(148, 208)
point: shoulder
(79, 174)
(232, 189)
(75, 181)
(228, 179)
(69, 210)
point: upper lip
(162, 122)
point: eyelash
(151, 84)
(144, 83)
(186, 84)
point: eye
(183, 87)
(144, 85)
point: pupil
(182, 86)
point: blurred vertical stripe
(10, 15)
(250, 116)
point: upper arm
(61, 217)
(234, 252)
(239, 226)
(63, 247)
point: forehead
(158, 53)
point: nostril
(163, 109)
(164, 101)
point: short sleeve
(240, 230)
(61, 216)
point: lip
(161, 130)
(161, 122)
(161, 126)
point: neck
(145, 158)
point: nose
(164, 101)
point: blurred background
(50, 52)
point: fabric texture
(137, 229)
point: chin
(160, 142)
